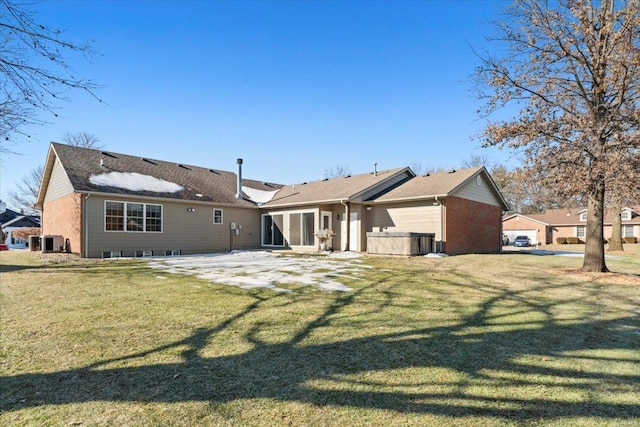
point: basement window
(112, 254)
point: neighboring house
(571, 222)
(108, 204)
(13, 221)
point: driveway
(263, 269)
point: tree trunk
(594, 249)
(615, 242)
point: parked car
(505, 240)
(521, 241)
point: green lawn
(474, 340)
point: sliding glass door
(272, 230)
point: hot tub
(399, 243)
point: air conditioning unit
(52, 243)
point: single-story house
(105, 204)
(545, 228)
(13, 221)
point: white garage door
(513, 233)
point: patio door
(354, 232)
(272, 230)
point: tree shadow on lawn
(473, 350)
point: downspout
(84, 253)
(442, 227)
(347, 210)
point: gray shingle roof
(430, 185)
(199, 184)
(335, 189)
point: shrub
(630, 239)
(573, 240)
(561, 240)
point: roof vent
(348, 176)
(104, 153)
(183, 167)
(214, 171)
(453, 171)
(375, 169)
(144, 159)
(239, 192)
(101, 163)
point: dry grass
(471, 340)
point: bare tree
(26, 193)
(82, 139)
(572, 69)
(337, 171)
(34, 69)
(476, 160)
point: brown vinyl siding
(482, 193)
(189, 232)
(59, 185)
(418, 217)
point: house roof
(440, 184)
(334, 190)
(11, 218)
(100, 171)
(106, 172)
(571, 216)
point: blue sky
(293, 88)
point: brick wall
(63, 217)
(472, 227)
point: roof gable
(440, 184)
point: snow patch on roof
(258, 196)
(135, 182)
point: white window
(583, 216)
(138, 217)
(153, 214)
(625, 215)
(135, 217)
(627, 231)
(581, 231)
(114, 216)
(217, 216)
